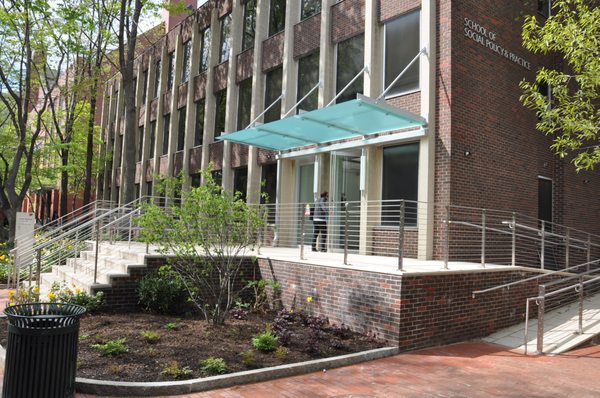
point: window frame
(200, 104)
(205, 50)
(265, 104)
(157, 77)
(302, 5)
(218, 100)
(223, 59)
(312, 84)
(270, 32)
(171, 71)
(336, 58)
(244, 27)
(186, 69)
(239, 102)
(181, 116)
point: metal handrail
(532, 229)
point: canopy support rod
(388, 88)
(302, 99)
(363, 70)
(266, 110)
(330, 124)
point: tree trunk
(64, 183)
(129, 160)
(87, 187)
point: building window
(140, 148)
(171, 75)
(205, 49)
(196, 180)
(199, 128)
(240, 181)
(149, 188)
(145, 87)
(350, 59)
(272, 92)
(187, 60)
(545, 7)
(400, 181)
(217, 176)
(220, 111)
(181, 129)
(119, 150)
(308, 77)
(152, 139)
(165, 146)
(157, 78)
(310, 8)
(401, 46)
(244, 103)
(249, 24)
(277, 17)
(225, 48)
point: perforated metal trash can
(41, 354)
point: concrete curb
(123, 388)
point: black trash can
(41, 354)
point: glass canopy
(361, 117)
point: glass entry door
(346, 188)
(306, 173)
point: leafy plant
(163, 292)
(238, 313)
(248, 358)
(281, 353)
(112, 347)
(260, 293)
(265, 341)
(23, 295)
(150, 336)
(174, 370)
(172, 326)
(63, 293)
(213, 366)
(208, 232)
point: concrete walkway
(460, 370)
(560, 329)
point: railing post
(540, 324)
(567, 244)
(39, 268)
(589, 251)
(580, 331)
(447, 237)
(130, 222)
(526, 334)
(97, 247)
(514, 240)
(483, 238)
(346, 233)
(302, 222)
(401, 235)
(543, 246)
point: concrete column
(209, 114)
(147, 132)
(118, 149)
(173, 130)
(190, 122)
(138, 104)
(326, 57)
(289, 79)
(370, 214)
(286, 193)
(258, 97)
(237, 23)
(373, 81)
(427, 143)
(160, 120)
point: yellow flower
(11, 294)
(68, 291)
(77, 291)
(309, 299)
(51, 296)
(36, 290)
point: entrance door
(306, 173)
(545, 199)
(346, 166)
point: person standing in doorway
(320, 223)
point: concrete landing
(560, 326)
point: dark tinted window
(187, 60)
(205, 49)
(171, 75)
(308, 77)
(181, 129)
(350, 60)
(244, 103)
(310, 8)
(400, 181)
(401, 46)
(272, 92)
(157, 78)
(249, 25)
(199, 128)
(277, 17)
(544, 7)
(166, 127)
(225, 38)
(221, 100)
(152, 139)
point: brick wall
(244, 65)
(273, 52)
(153, 109)
(220, 76)
(266, 156)
(182, 95)
(215, 155)
(389, 9)
(385, 242)
(167, 102)
(177, 162)
(150, 169)
(409, 102)
(200, 86)
(347, 19)
(307, 35)
(239, 155)
(195, 159)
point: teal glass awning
(361, 117)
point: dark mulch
(195, 340)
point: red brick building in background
(231, 59)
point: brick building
(233, 64)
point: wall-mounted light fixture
(468, 153)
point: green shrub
(163, 292)
(172, 326)
(172, 369)
(265, 341)
(213, 366)
(248, 358)
(63, 293)
(112, 348)
(150, 337)
(281, 353)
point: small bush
(172, 369)
(150, 337)
(238, 313)
(213, 366)
(172, 326)
(281, 353)
(163, 292)
(63, 293)
(248, 358)
(265, 341)
(112, 348)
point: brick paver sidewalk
(460, 370)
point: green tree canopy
(571, 111)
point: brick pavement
(459, 370)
